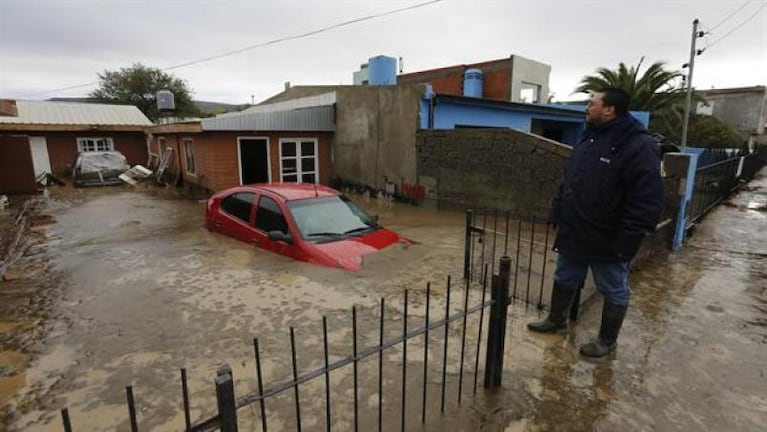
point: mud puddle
(136, 288)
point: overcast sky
(46, 46)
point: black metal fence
(228, 404)
(717, 175)
(491, 233)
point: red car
(306, 222)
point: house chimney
(8, 108)
(287, 85)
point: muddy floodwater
(124, 286)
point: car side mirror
(375, 218)
(280, 236)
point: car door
(235, 215)
(270, 216)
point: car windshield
(327, 218)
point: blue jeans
(611, 277)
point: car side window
(239, 205)
(269, 217)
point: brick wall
(62, 147)
(216, 157)
(503, 169)
(17, 174)
(496, 76)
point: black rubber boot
(612, 320)
(561, 300)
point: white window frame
(83, 144)
(189, 154)
(298, 157)
(154, 158)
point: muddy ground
(122, 287)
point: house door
(40, 160)
(254, 160)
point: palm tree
(653, 91)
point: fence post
(227, 408)
(679, 166)
(467, 247)
(496, 334)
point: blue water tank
(472, 83)
(382, 70)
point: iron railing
(228, 404)
(717, 175)
(491, 233)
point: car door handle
(255, 242)
(218, 224)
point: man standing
(611, 197)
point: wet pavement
(125, 287)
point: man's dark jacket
(612, 193)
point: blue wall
(642, 116)
(449, 115)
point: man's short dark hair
(616, 98)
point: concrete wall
(744, 111)
(375, 134)
(529, 71)
(504, 169)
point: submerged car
(306, 222)
(99, 168)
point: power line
(738, 26)
(730, 15)
(303, 35)
(264, 44)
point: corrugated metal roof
(316, 118)
(67, 113)
(305, 102)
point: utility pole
(690, 65)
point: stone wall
(504, 169)
(514, 171)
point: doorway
(254, 160)
(40, 160)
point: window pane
(292, 178)
(288, 166)
(288, 148)
(307, 164)
(239, 205)
(308, 178)
(307, 148)
(269, 216)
